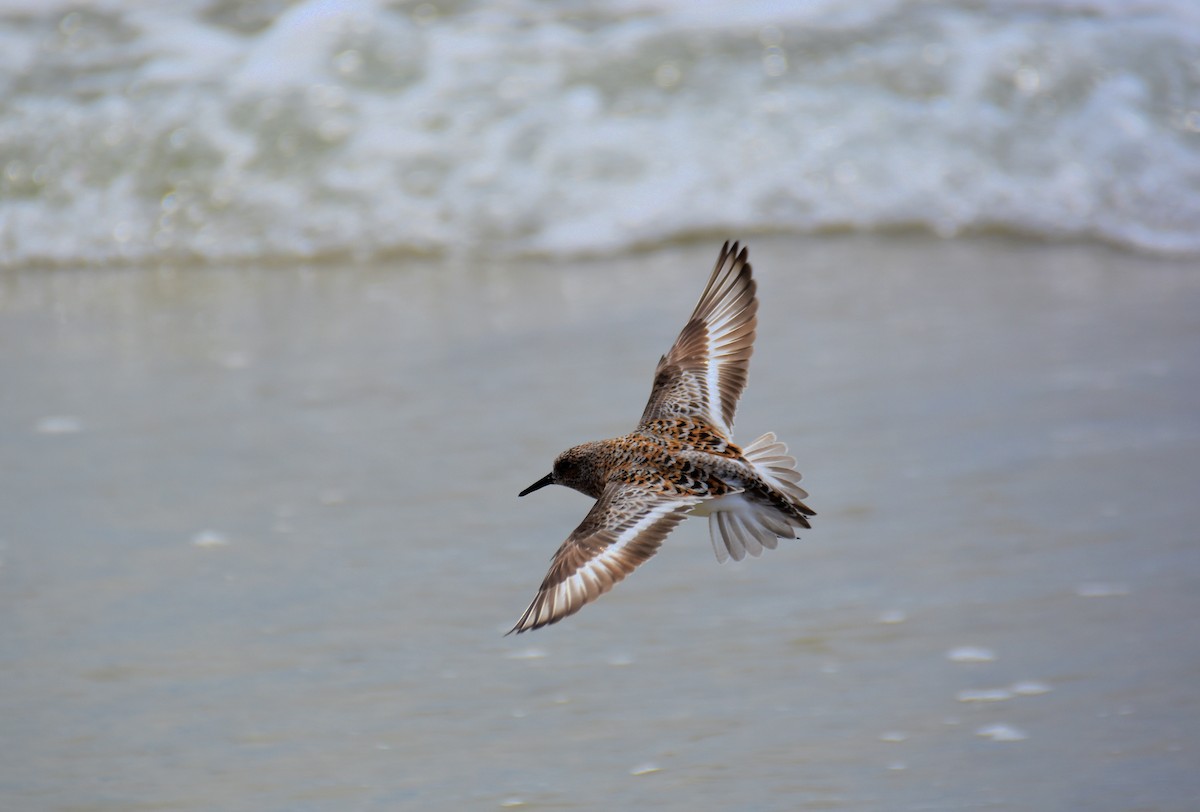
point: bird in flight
(680, 460)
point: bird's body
(681, 460)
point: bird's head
(576, 468)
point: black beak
(548, 479)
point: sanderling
(680, 461)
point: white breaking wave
(214, 131)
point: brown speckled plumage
(680, 460)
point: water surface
(261, 540)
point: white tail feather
(770, 458)
(739, 525)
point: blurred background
(296, 296)
(210, 131)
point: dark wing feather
(624, 528)
(704, 373)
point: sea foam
(199, 131)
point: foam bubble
(1030, 687)
(58, 424)
(999, 732)
(1100, 589)
(983, 695)
(970, 654)
(210, 538)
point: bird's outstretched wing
(704, 373)
(624, 528)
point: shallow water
(260, 538)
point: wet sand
(260, 538)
